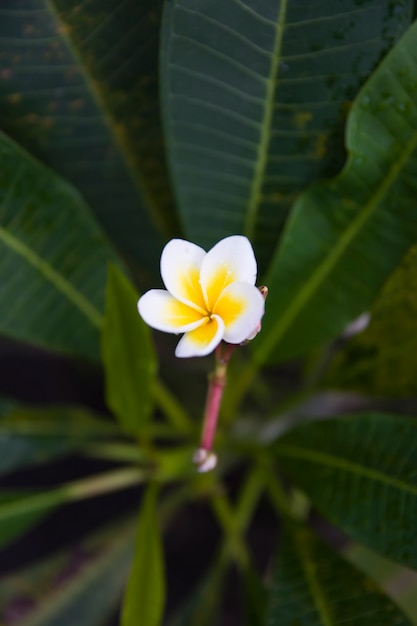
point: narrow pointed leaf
(53, 258)
(313, 586)
(79, 90)
(145, 594)
(383, 359)
(19, 513)
(128, 355)
(360, 472)
(19, 510)
(255, 95)
(346, 236)
(31, 436)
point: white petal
(180, 271)
(241, 307)
(231, 260)
(203, 340)
(162, 311)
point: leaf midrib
(271, 339)
(57, 280)
(309, 565)
(262, 156)
(125, 152)
(340, 463)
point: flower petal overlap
(209, 296)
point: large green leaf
(360, 471)
(128, 355)
(383, 359)
(53, 258)
(145, 594)
(313, 586)
(78, 88)
(88, 597)
(30, 436)
(346, 236)
(255, 95)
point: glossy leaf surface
(128, 355)
(313, 586)
(360, 472)
(78, 88)
(346, 236)
(53, 258)
(255, 96)
(145, 593)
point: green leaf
(346, 236)
(255, 96)
(79, 90)
(145, 594)
(18, 513)
(19, 510)
(53, 258)
(30, 436)
(360, 472)
(313, 586)
(398, 581)
(128, 355)
(88, 597)
(383, 359)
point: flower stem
(213, 402)
(204, 458)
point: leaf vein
(254, 13)
(217, 107)
(213, 174)
(332, 50)
(215, 131)
(50, 274)
(324, 458)
(227, 29)
(327, 18)
(328, 263)
(212, 152)
(223, 57)
(216, 81)
(266, 126)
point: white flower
(210, 296)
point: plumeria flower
(210, 296)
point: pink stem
(214, 395)
(211, 412)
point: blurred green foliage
(124, 124)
